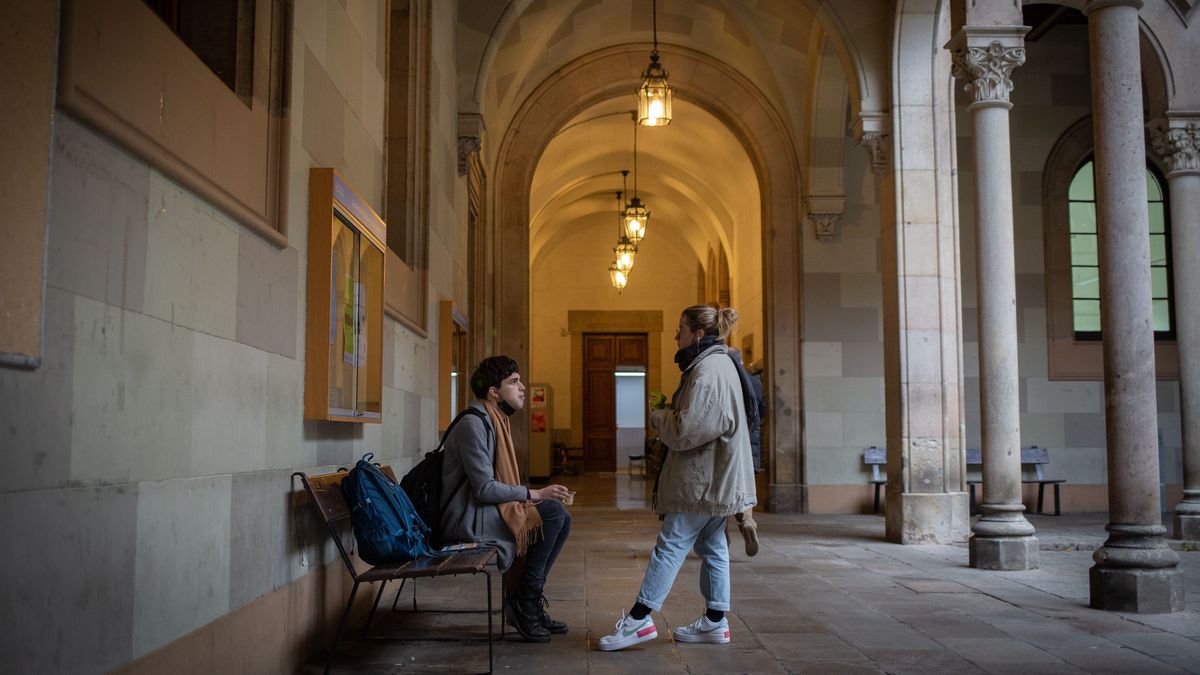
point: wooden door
(599, 403)
(601, 356)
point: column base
(1187, 527)
(787, 498)
(1141, 591)
(1003, 553)
(927, 518)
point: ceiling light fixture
(618, 271)
(654, 98)
(635, 217)
(625, 250)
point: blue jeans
(681, 532)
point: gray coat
(709, 469)
(472, 515)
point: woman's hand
(555, 491)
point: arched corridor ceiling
(695, 177)
(507, 50)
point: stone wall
(147, 464)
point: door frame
(615, 341)
(579, 322)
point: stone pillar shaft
(1179, 144)
(999, 386)
(1002, 537)
(1185, 235)
(1134, 570)
(1126, 320)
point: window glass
(1083, 217)
(1087, 316)
(1085, 271)
(1082, 186)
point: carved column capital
(825, 223)
(877, 145)
(871, 129)
(824, 210)
(470, 138)
(466, 146)
(987, 70)
(1177, 141)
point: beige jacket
(709, 469)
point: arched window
(1085, 263)
(1073, 332)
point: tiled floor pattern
(826, 594)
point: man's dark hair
(490, 373)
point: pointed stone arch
(765, 136)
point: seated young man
(492, 507)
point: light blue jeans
(681, 532)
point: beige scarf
(521, 517)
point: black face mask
(506, 408)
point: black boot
(555, 627)
(522, 612)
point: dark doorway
(603, 354)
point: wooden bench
(325, 492)
(1032, 455)
(876, 457)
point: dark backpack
(424, 482)
(386, 525)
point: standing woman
(708, 476)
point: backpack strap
(466, 411)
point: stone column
(1002, 539)
(1178, 142)
(1135, 571)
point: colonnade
(1135, 570)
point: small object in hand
(658, 400)
(569, 499)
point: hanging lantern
(636, 218)
(625, 252)
(654, 97)
(619, 279)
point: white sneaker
(629, 632)
(703, 630)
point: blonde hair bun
(712, 319)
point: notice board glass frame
(343, 375)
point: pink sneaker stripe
(646, 631)
(726, 633)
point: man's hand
(556, 491)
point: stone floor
(825, 594)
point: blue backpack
(386, 525)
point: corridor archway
(749, 116)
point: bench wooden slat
(326, 490)
(1035, 455)
(470, 561)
